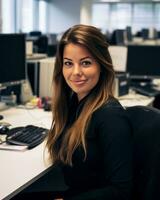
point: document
(5, 146)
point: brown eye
(67, 63)
(86, 63)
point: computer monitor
(143, 61)
(12, 59)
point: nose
(77, 69)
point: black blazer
(107, 171)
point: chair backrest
(145, 33)
(42, 44)
(118, 37)
(35, 33)
(145, 122)
(129, 35)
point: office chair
(145, 122)
(42, 44)
(117, 37)
(158, 34)
(35, 33)
(129, 35)
(145, 33)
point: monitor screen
(143, 61)
(12, 59)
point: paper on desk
(5, 146)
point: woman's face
(80, 70)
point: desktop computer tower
(40, 76)
(46, 77)
(33, 76)
(121, 84)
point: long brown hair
(95, 42)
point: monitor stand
(145, 87)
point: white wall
(86, 12)
(63, 14)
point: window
(43, 16)
(157, 16)
(111, 15)
(8, 16)
(120, 15)
(26, 15)
(142, 16)
(101, 16)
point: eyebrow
(68, 59)
(80, 59)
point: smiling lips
(78, 82)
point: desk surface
(134, 99)
(19, 169)
(36, 57)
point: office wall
(63, 14)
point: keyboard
(29, 136)
(147, 90)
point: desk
(134, 99)
(20, 169)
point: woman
(90, 135)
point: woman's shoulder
(111, 105)
(111, 109)
(111, 116)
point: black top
(107, 171)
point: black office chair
(145, 122)
(117, 37)
(145, 33)
(42, 44)
(35, 33)
(129, 35)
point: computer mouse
(3, 129)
